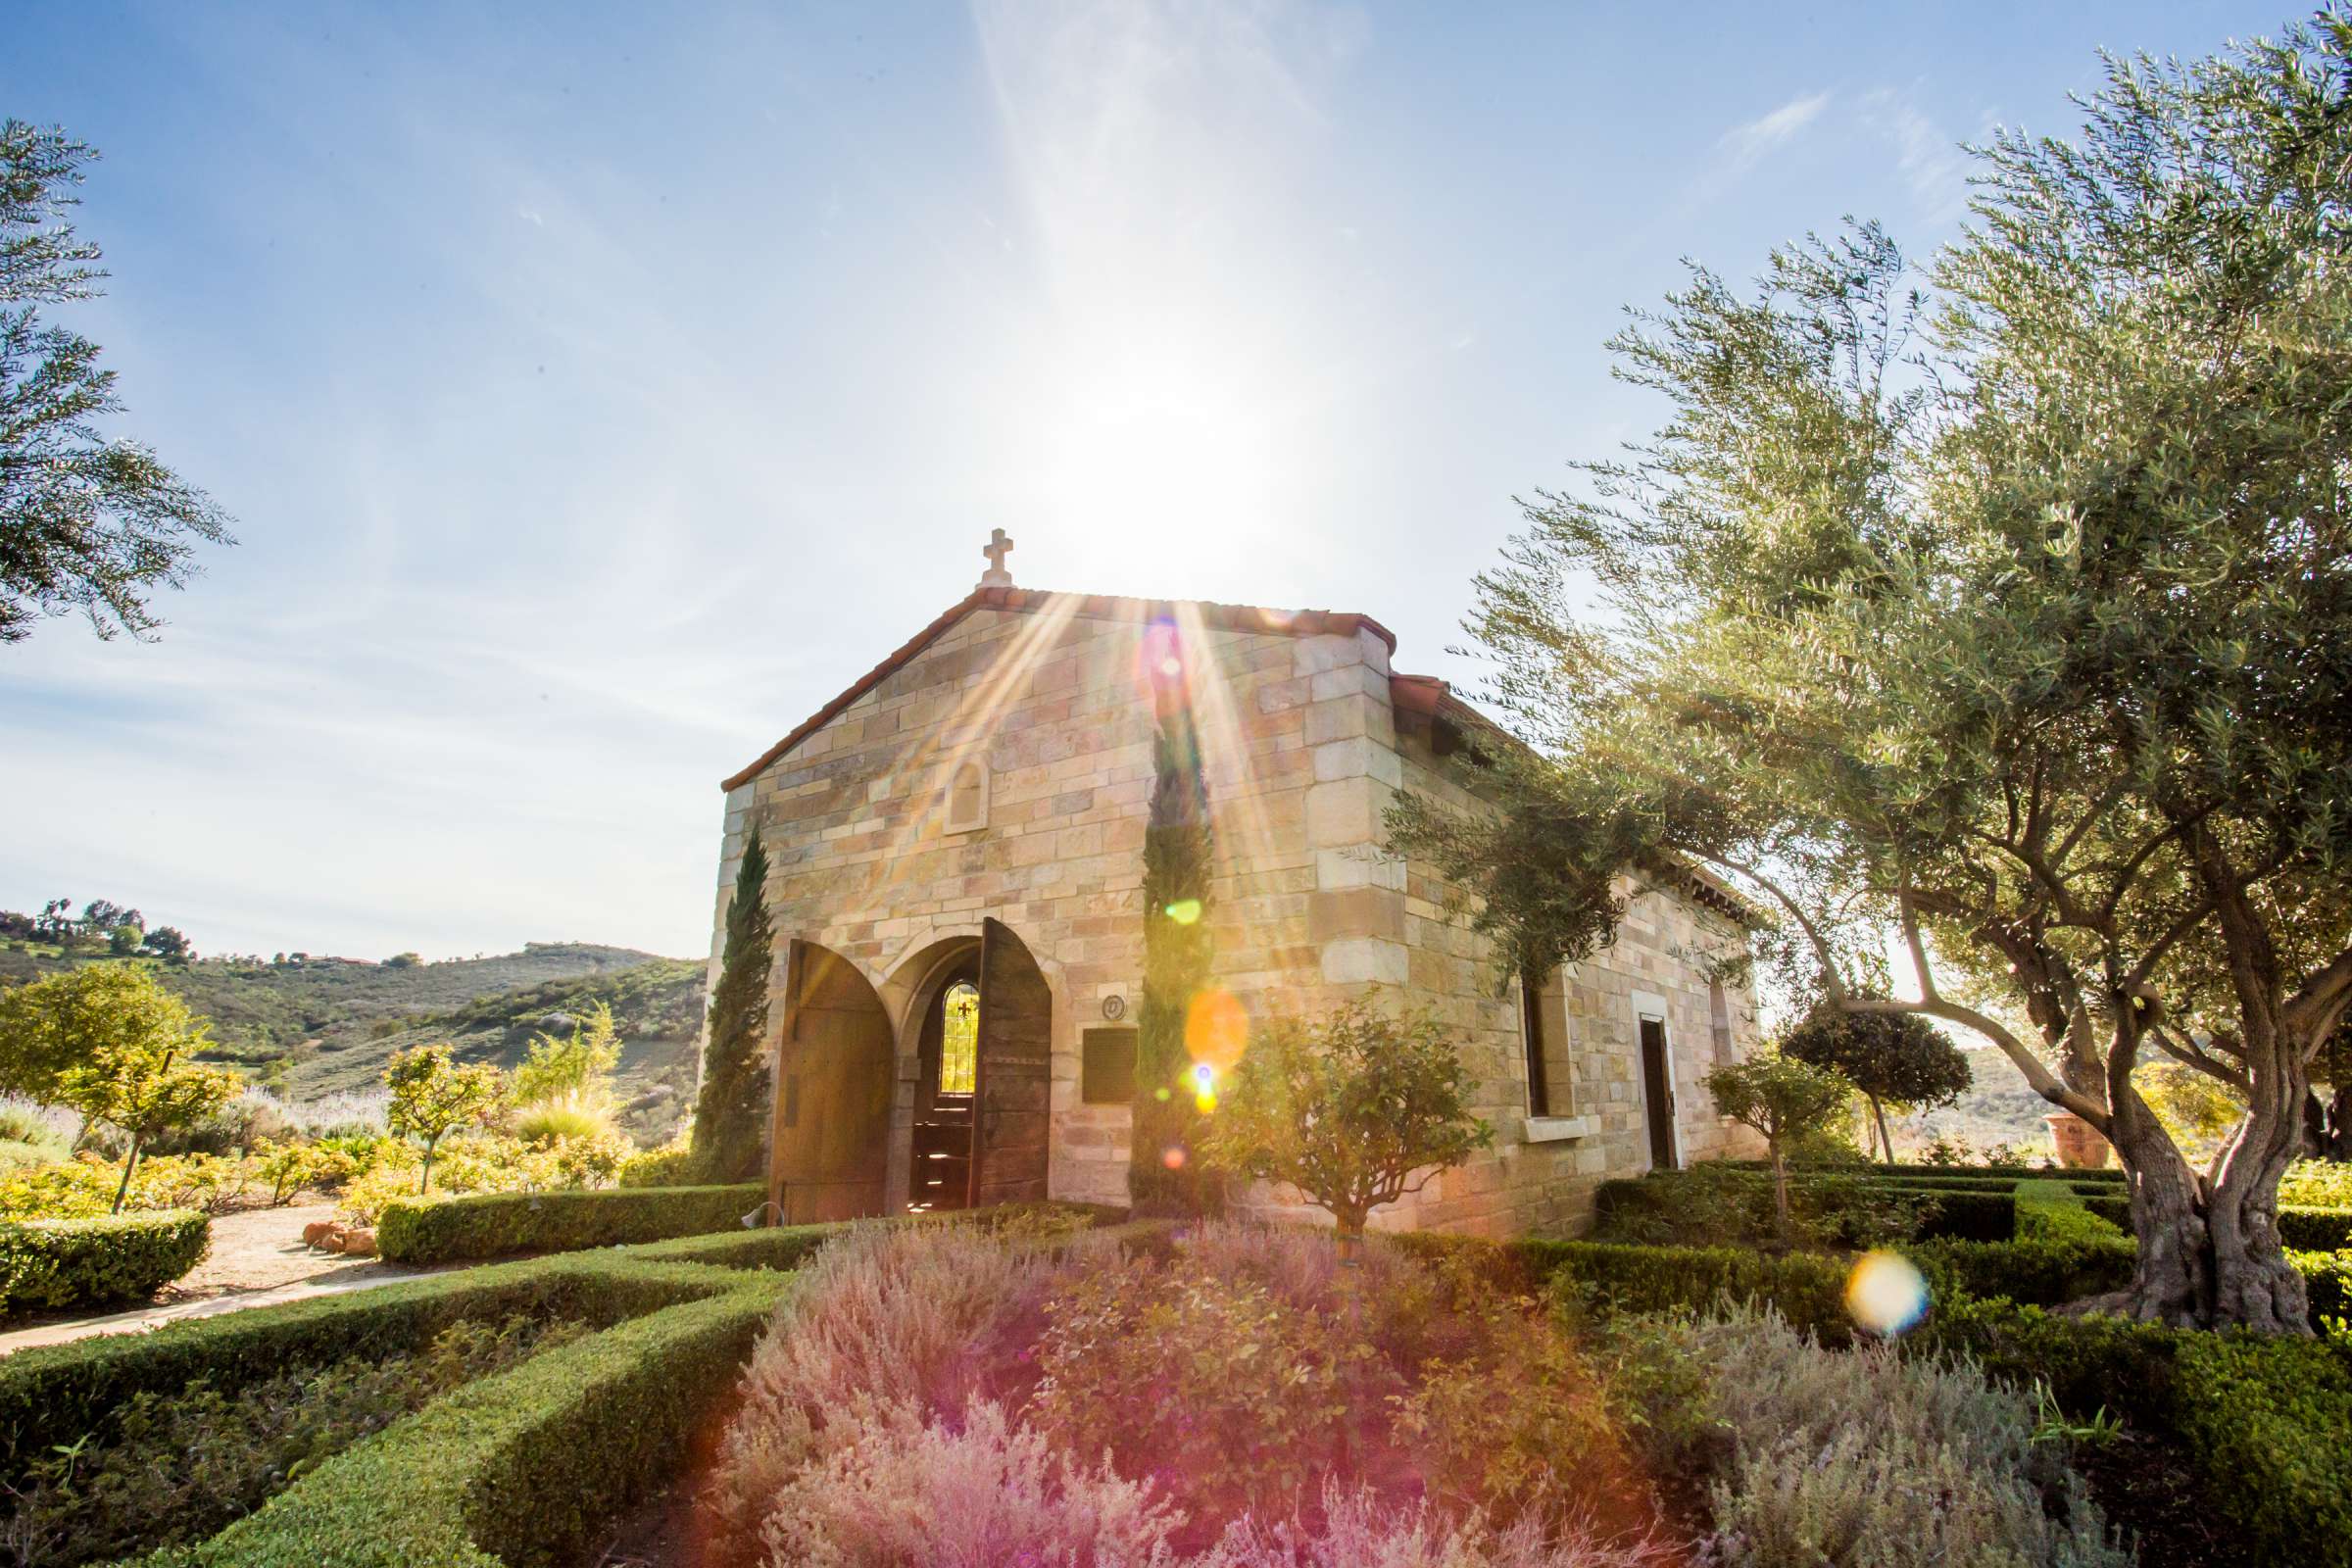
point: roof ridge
(1099, 607)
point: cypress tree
(730, 1113)
(1163, 1173)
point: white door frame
(1649, 1004)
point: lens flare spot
(1184, 911)
(1204, 1088)
(1216, 1029)
(1173, 1158)
(1886, 1293)
(1161, 1095)
(1171, 666)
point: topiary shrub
(494, 1224)
(668, 1167)
(94, 1262)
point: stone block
(1360, 960)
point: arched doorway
(979, 1033)
(946, 1088)
(831, 1138)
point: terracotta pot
(2080, 1145)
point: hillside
(313, 1029)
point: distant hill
(2000, 1108)
(325, 1025)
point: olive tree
(1354, 1107)
(2000, 616)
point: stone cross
(998, 546)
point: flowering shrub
(84, 1187)
(484, 1162)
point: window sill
(1558, 1129)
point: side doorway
(830, 1138)
(1657, 1094)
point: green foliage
(668, 1167)
(522, 1469)
(96, 1263)
(1714, 1203)
(1783, 1099)
(74, 1018)
(184, 1465)
(1867, 1456)
(1211, 1381)
(2317, 1184)
(730, 1114)
(447, 1229)
(2271, 1425)
(1352, 1108)
(2006, 612)
(573, 1075)
(2052, 1212)
(432, 1096)
(1897, 1060)
(2322, 1229)
(1164, 1175)
(93, 525)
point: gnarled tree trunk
(2209, 1249)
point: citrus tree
(2000, 614)
(1785, 1098)
(1354, 1107)
(434, 1094)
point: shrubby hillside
(325, 1025)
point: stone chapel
(954, 845)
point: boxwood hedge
(54, 1393)
(522, 1468)
(424, 1230)
(96, 1263)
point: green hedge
(2315, 1230)
(52, 1395)
(2052, 1212)
(415, 1230)
(657, 1167)
(1627, 1204)
(96, 1263)
(524, 1468)
(1907, 1173)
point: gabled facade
(955, 851)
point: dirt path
(257, 1259)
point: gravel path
(257, 1259)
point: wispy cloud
(1746, 144)
(1929, 159)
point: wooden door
(1015, 1078)
(833, 1088)
(1657, 1092)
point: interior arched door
(833, 1086)
(1016, 1068)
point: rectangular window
(1531, 1035)
(1106, 1074)
(1719, 1019)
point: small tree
(139, 1076)
(1783, 1099)
(576, 1072)
(730, 1111)
(432, 1096)
(73, 1019)
(1355, 1109)
(1893, 1058)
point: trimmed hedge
(2052, 1212)
(417, 1230)
(1907, 1174)
(96, 1263)
(2315, 1230)
(52, 1395)
(524, 1468)
(1964, 1211)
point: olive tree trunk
(2209, 1247)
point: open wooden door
(1657, 1092)
(831, 1143)
(1016, 1066)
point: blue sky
(599, 389)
